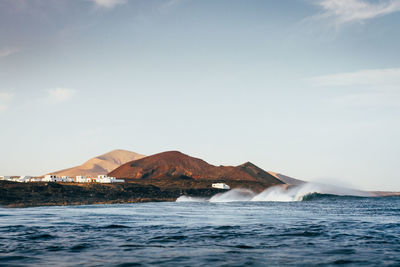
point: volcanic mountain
(102, 164)
(176, 168)
(287, 179)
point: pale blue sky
(307, 88)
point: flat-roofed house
(108, 180)
(24, 179)
(35, 179)
(81, 179)
(50, 178)
(67, 179)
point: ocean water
(320, 230)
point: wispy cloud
(174, 2)
(369, 99)
(369, 77)
(60, 94)
(4, 52)
(108, 3)
(371, 87)
(350, 11)
(5, 98)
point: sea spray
(297, 193)
(191, 199)
(238, 194)
(278, 194)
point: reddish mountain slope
(178, 166)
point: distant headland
(122, 176)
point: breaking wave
(191, 199)
(238, 194)
(305, 192)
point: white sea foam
(297, 193)
(238, 194)
(278, 193)
(190, 199)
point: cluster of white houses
(104, 179)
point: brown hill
(176, 167)
(287, 179)
(101, 164)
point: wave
(317, 196)
(191, 199)
(238, 194)
(305, 192)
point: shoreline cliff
(14, 194)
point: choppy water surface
(323, 230)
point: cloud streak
(108, 3)
(369, 99)
(369, 77)
(5, 98)
(4, 52)
(367, 88)
(60, 94)
(353, 11)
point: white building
(104, 179)
(80, 179)
(67, 179)
(115, 180)
(50, 178)
(101, 178)
(221, 186)
(5, 178)
(35, 179)
(24, 179)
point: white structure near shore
(221, 186)
(80, 179)
(35, 179)
(104, 179)
(49, 178)
(24, 179)
(67, 179)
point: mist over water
(279, 193)
(234, 195)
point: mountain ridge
(101, 164)
(176, 166)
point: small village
(103, 179)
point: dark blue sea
(321, 230)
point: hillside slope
(174, 166)
(102, 164)
(287, 179)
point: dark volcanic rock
(13, 194)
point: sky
(307, 88)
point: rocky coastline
(14, 194)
